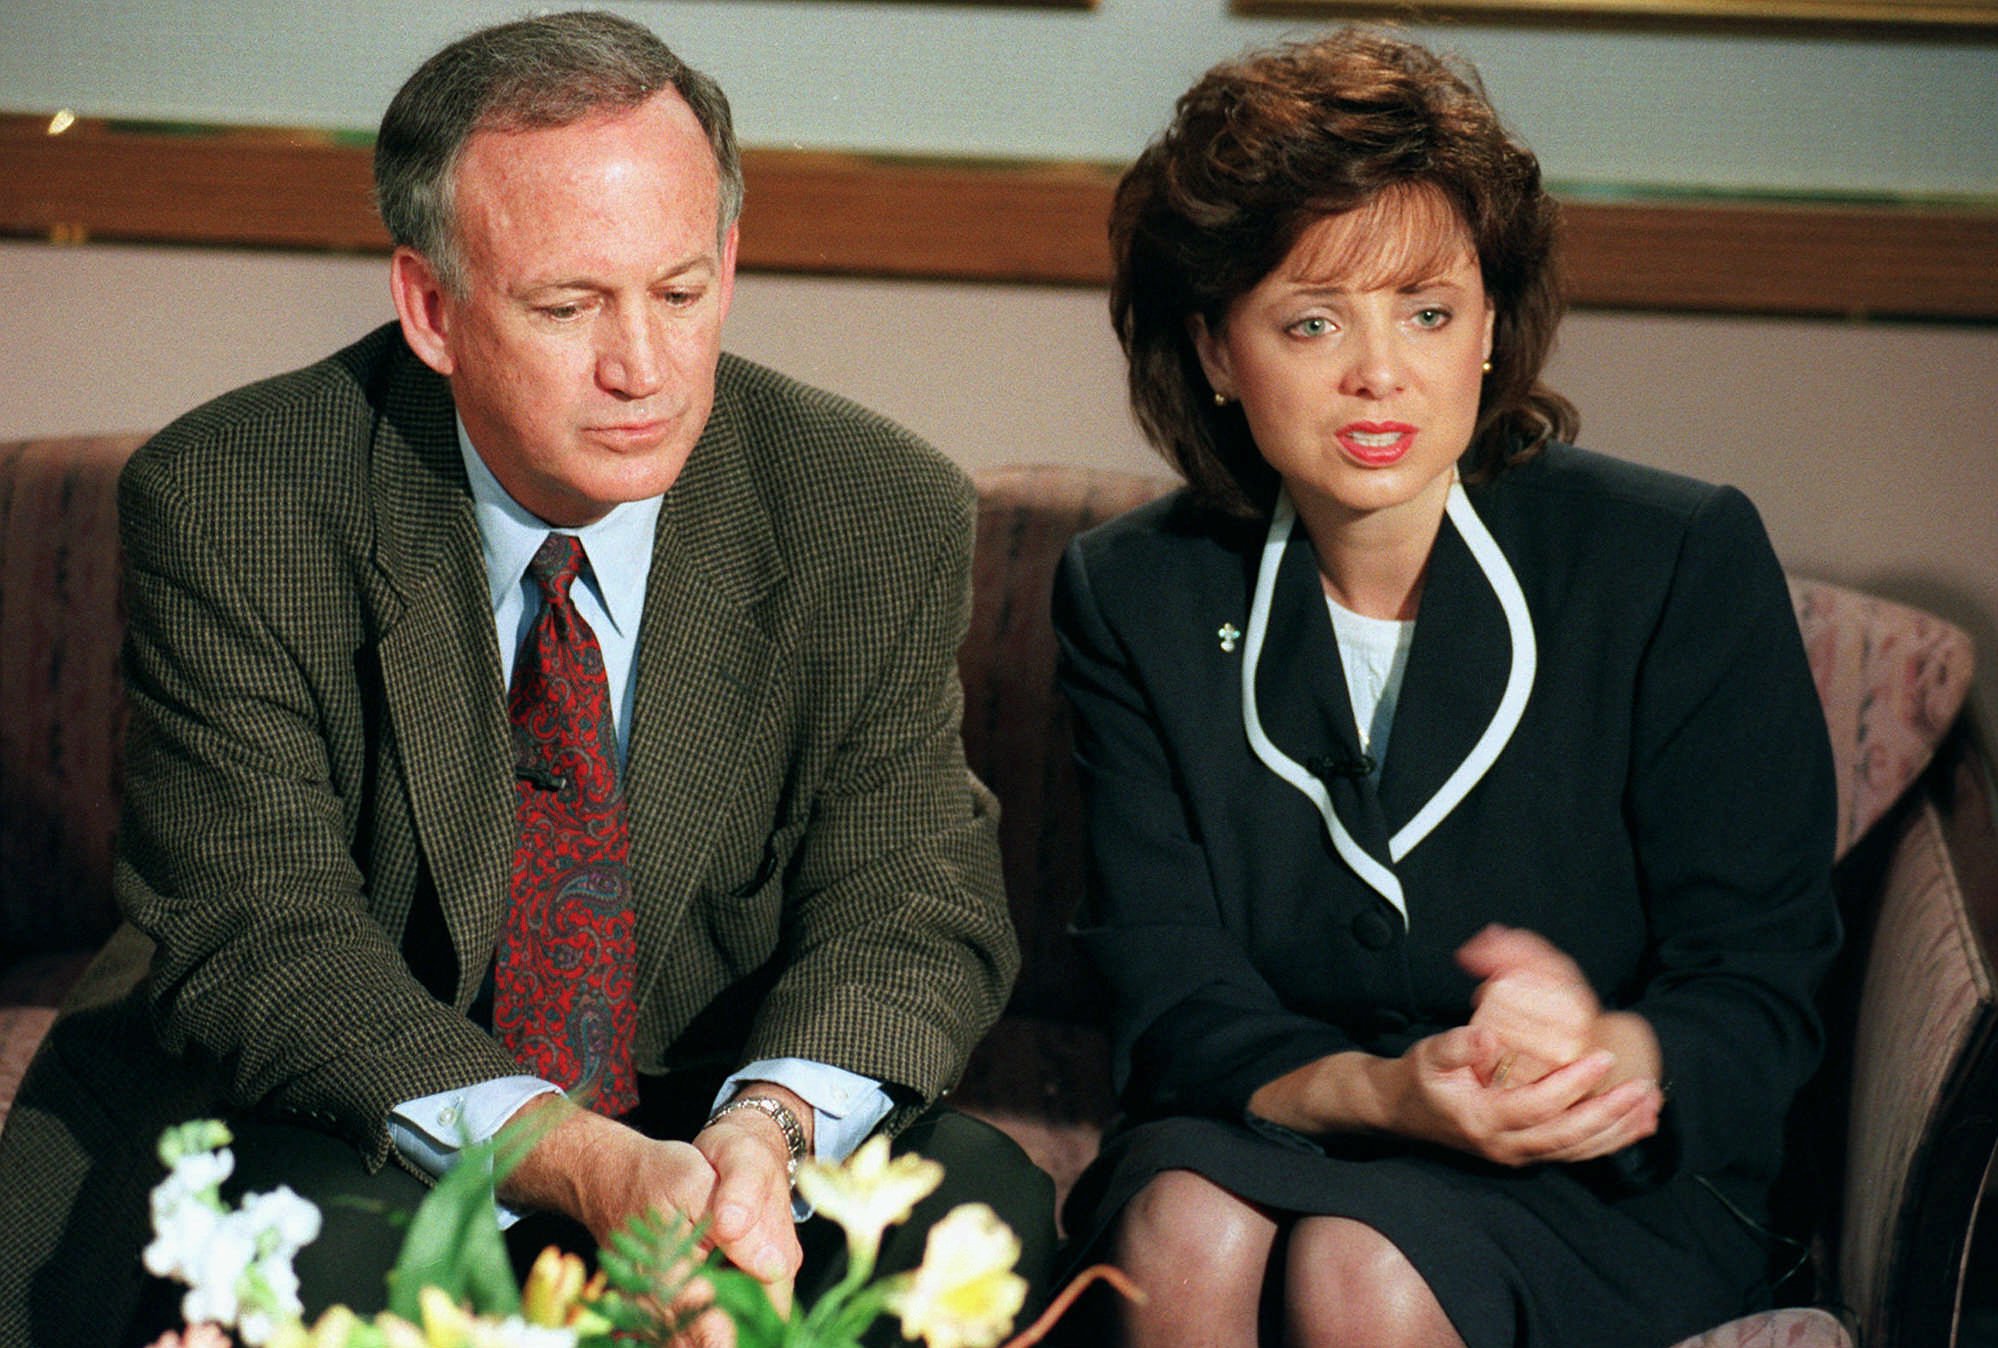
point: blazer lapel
(704, 666)
(1301, 695)
(1456, 674)
(440, 666)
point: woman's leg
(1348, 1286)
(1201, 1255)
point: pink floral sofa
(1916, 1011)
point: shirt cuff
(431, 1130)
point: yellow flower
(331, 1330)
(446, 1324)
(966, 1294)
(551, 1289)
(555, 1295)
(397, 1332)
(870, 1193)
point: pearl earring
(1487, 367)
(1220, 398)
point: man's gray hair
(533, 73)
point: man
(360, 597)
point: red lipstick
(1376, 444)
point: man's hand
(602, 1173)
(750, 1207)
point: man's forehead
(653, 157)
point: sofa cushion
(1016, 734)
(1892, 679)
(61, 624)
(1804, 1327)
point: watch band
(780, 1114)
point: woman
(1460, 805)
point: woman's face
(1358, 359)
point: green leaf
(454, 1244)
(849, 1321)
(747, 1302)
(191, 1138)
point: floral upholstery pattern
(1804, 1328)
(1892, 679)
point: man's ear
(1213, 353)
(726, 272)
(420, 305)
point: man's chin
(623, 479)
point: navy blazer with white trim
(1664, 811)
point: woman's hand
(1534, 998)
(1438, 1092)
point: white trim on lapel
(1497, 732)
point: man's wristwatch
(779, 1113)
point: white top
(1375, 654)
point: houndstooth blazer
(319, 812)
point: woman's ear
(1491, 319)
(1213, 353)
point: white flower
(181, 1230)
(514, 1332)
(214, 1271)
(236, 1264)
(870, 1193)
(202, 1172)
(965, 1294)
(288, 1222)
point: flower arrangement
(453, 1287)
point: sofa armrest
(1923, 1117)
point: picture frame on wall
(1979, 16)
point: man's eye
(562, 313)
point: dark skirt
(1518, 1258)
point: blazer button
(1373, 931)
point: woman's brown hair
(1264, 146)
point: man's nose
(631, 357)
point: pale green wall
(1794, 113)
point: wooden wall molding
(859, 215)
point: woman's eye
(1311, 327)
(1431, 318)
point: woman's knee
(1347, 1284)
(1196, 1229)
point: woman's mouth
(1375, 443)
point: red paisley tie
(562, 978)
